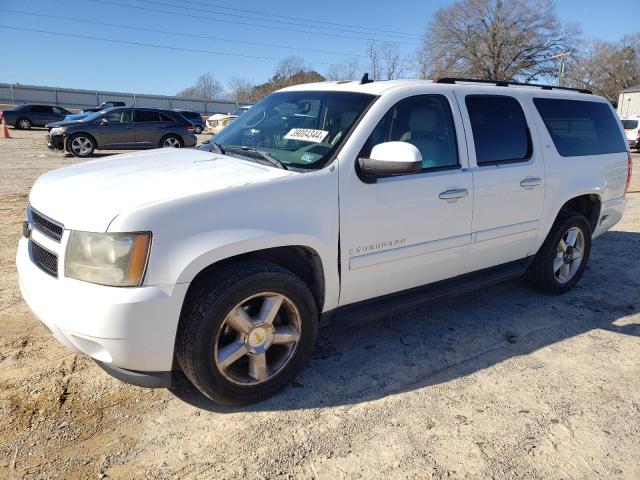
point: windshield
(299, 129)
(94, 115)
(630, 124)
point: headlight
(56, 131)
(116, 259)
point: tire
(23, 124)
(171, 141)
(557, 269)
(198, 129)
(235, 368)
(81, 145)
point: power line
(297, 24)
(181, 34)
(153, 45)
(380, 30)
(214, 19)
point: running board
(394, 303)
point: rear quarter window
(580, 128)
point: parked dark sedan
(195, 118)
(24, 117)
(121, 129)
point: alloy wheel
(257, 339)
(81, 146)
(25, 124)
(171, 142)
(569, 255)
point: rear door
(508, 175)
(150, 126)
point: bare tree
(496, 39)
(289, 66)
(240, 90)
(206, 87)
(392, 67)
(350, 70)
(373, 54)
(606, 67)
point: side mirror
(390, 158)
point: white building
(629, 102)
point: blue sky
(38, 58)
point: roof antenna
(365, 79)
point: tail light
(629, 172)
(190, 127)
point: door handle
(454, 193)
(530, 182)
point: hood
(89, 195)
(218, 116)
(63, 123)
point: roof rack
(504, 83)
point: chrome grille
(45, 225)
(44, 259)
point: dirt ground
(507, 383)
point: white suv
(632, 130)
(324, 201)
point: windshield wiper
(263, 155)
(217, 146)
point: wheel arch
(588, 204)
(302, 260)
(93, 137)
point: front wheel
(246, 333)
(81, 145)
(563, 257)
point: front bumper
(120, 327)
(55, 142)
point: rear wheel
(246, 333)
(198, 129)
(81, 145)
(563, 257)
(23, 124)
(171, 141)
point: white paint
(203, 208)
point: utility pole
(561, 57)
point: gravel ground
(508, 384)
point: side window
(142, 116)
(580, 127)
(499, 128)
(165, 118)
(41, 109)
(424, 121)
(116, 117)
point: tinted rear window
(190, 114)
(581, 128)
(499, 129)
(630, 124)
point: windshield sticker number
(306, 135)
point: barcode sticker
(306, 135)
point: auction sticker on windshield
(306, 135)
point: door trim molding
(513, 229)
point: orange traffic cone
(5, 129)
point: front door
(116, 130)
(508, 176)
(406, 231)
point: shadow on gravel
(354, 363)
